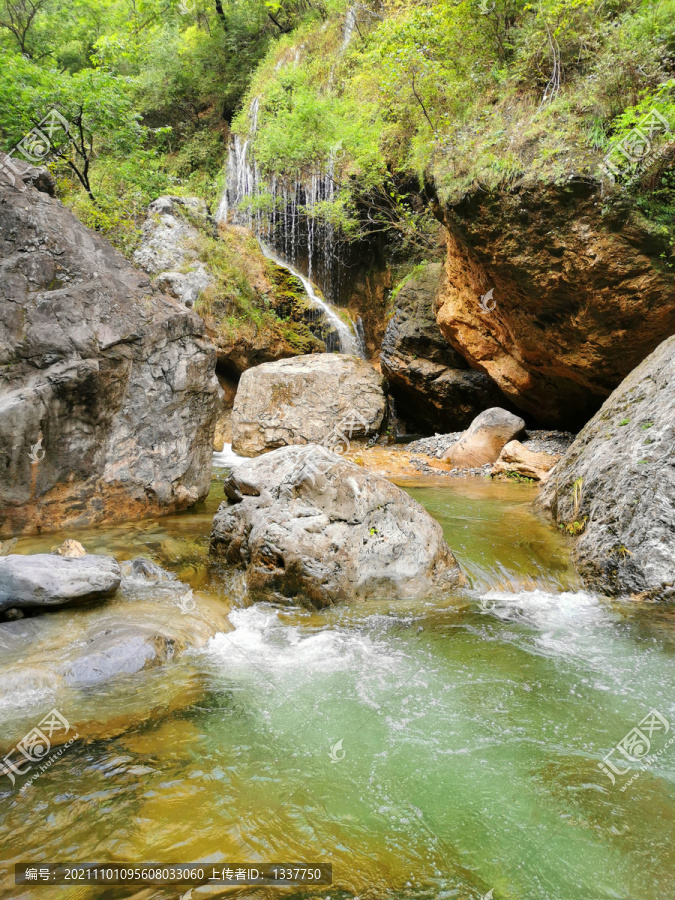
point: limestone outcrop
(309, 527)
(432, 383)
(581, 293)
(614, 490)
(108, 392)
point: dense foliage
(389, 96)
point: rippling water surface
(441, 749)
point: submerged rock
(325, 398)
(432, 383)
(309, 527)
(70, 548)
(48, 581)
(108, 391)
(614, 490)
(484, 440)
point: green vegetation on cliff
(392, 96)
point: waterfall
(288, 229)
(351, 341)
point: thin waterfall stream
(351, 339)
(289, 232)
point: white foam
(227, 458)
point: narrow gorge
(337, 449)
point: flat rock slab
(311, 528)
(49, 581)
(326, 398)
(614, 490)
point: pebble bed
(555, 442)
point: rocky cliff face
(433, 385)
(582, 291)
(615, 487)
(108, 391)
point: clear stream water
(472, 727)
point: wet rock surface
(108, 392)
(310, 399)
(48, 581)
(614, 490)
(309, 527)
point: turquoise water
(441, 749)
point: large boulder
(324, 398)
(432, 383)
(484, 440)
(108, 392)
(582, 292)
(48, 581)
(614, 489)
(309, 527)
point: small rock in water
(70, 548)
(149, 569)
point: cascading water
(288, 230)
(350, 340)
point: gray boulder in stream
(614, 490)
(309, 527)
(49, 581)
